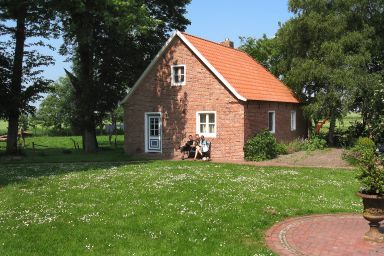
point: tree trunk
(90, 142)
(331, 132)
(86, 97)
(17, 73)
(13, 127)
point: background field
(3, 127)
(61, 149)
(347, 121)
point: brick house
(198, 86)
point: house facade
(194, 86)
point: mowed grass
(61, 149)
(159, 207)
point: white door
(153, 132)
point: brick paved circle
(318, 235)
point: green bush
(295, 146)
(314, 143)
(310, 144)
(282, 149)
(261, 147)
(363, 146)
(371, 171)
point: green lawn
(158, 207)
(61, 149)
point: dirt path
(329, 158)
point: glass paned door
(153, 136)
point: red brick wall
(256, 119)
(202, 92)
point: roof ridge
(213, 42)
(236, 49)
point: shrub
(261, 147)
(371, 171)
(314, 143)
(363, 146)
(282, 149)
(296, 145)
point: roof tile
(250, 79)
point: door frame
(146, 135)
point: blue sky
(217, 20)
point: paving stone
(323, 235)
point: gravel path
(328, 158)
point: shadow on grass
(64, 155)
(57, 161)
(20, 172)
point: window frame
(173, 83)
(273, 131)
(206, 134)
(293, 120)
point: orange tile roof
(250, 79)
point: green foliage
(314, 143)
(112, 43)
(362, 146)
(57, 109)
(330, 54)
(354, 131)
(311, 144)
(261, 147)
(374, 112)
(264, 50)
(371, 170)
(25, 27)
(24, 122)
(327, 59)
(296, 145)
(282, 149)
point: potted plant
(371, 176)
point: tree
(33, 19)
(369, 99)
(331, 53)
(325, 52)
(5, 78)
(265, 50)
(112, 41)
(57, 109)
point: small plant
(282, 149)
(261, 147)
(314, 143)
(371, 169)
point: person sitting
(187, 147)
(202, 147)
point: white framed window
(206, 123)
(178, 73)
(293, 120)
(272, 121)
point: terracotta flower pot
(374, 213)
